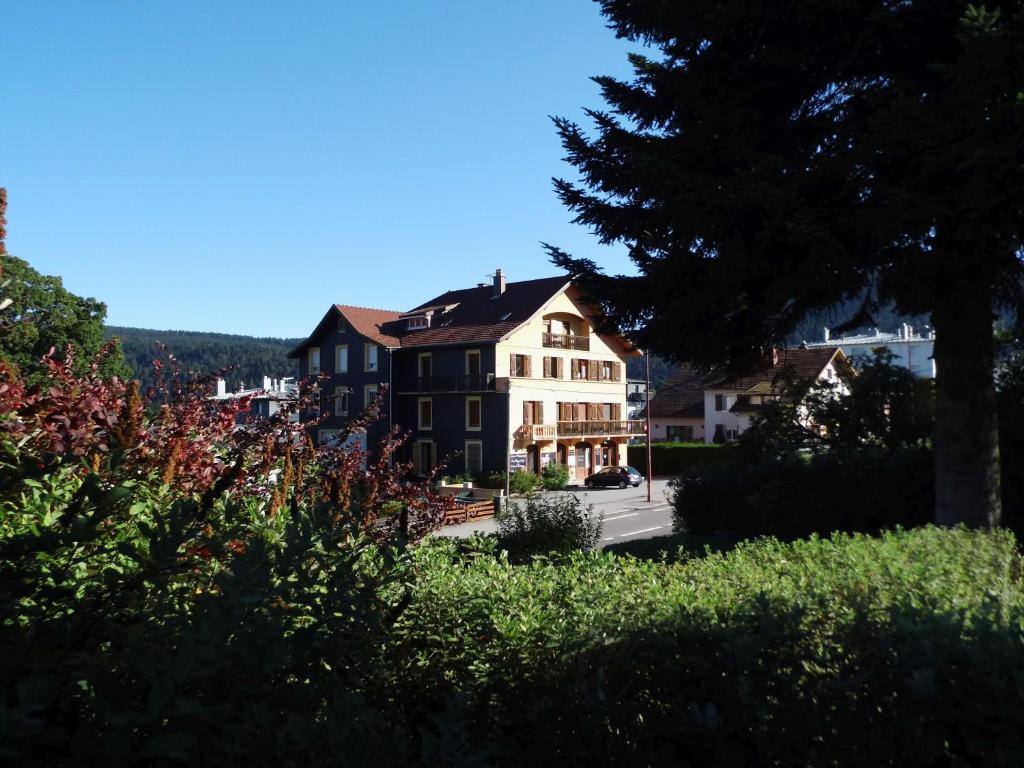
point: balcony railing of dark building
(565, 341)
(468, 382)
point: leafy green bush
(523, 482)
(544, 525)
(801, 495)
(676, 458)
(554, 477)
(771, 654)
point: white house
(731, 403)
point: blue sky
(239, 166)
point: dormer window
(418, 322)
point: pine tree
(769, 160)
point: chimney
(828, 334)
(222, 387)
(499, 283)
(266, 382)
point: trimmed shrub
(554, 477)
(803, 495)
(544, 525)
(850, 651)
(676, 458)
(523, 482)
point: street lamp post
(647, 414)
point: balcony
(613, 428)
(565, 341)
(479, 382)
(537, 432)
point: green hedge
(901, 650)
(675, 458)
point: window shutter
(547, 367)
(540, 412)
(617, 371)
(581, 412)
(511, 365)
(616, 411)
(527, 365)
(527, 412)
(575, 368)
(593, 374)
(560, 367)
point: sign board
(516, 462)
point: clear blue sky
(239, 166)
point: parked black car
(617, 476)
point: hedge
(676, 458)
(901, 650)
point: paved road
(627, 513)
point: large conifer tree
(771, 159)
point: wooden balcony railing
(565, 341)
(565, 429)
(537, 432)
(480, 382)
(613, 428)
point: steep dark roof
(802, 363)
(682, 395)
(480, 316)
(371, 323)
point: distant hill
(252, 357)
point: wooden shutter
(593, 371)
(559, 367)
(540, 412)
(527, 412)
(581, 411)
(512, 365)
(575, 368)
(547, 367)
(617, 371)
(616, 411)
(527, 365)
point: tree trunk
(966, 437)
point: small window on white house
(721, 402)
(314, 361)
(341, 358)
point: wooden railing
(537, 432)
(565, 341)
(616, 427)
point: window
(341, 358)
(553, 367)
(732, 434)
(721, 402)
(341, 401)
(473, 362)
(415, 323)
(607, 370)
(679, 434)
(473, 413)
(533, 412)
(425, 365)
(314, 361)
(369, 395)
(580, 368)
(341, 325)
(519, 365)
(370, 357)
(426, 413)
(474, 456)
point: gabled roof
(480, 316)
(363, 320)
(475, 316)
(801, 363)
(682, 395)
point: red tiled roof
(371, 323)
(681, 396)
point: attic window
(415, 323)
(506, 316)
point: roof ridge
(369, 309)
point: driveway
(627, 513)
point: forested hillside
(252, 358)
